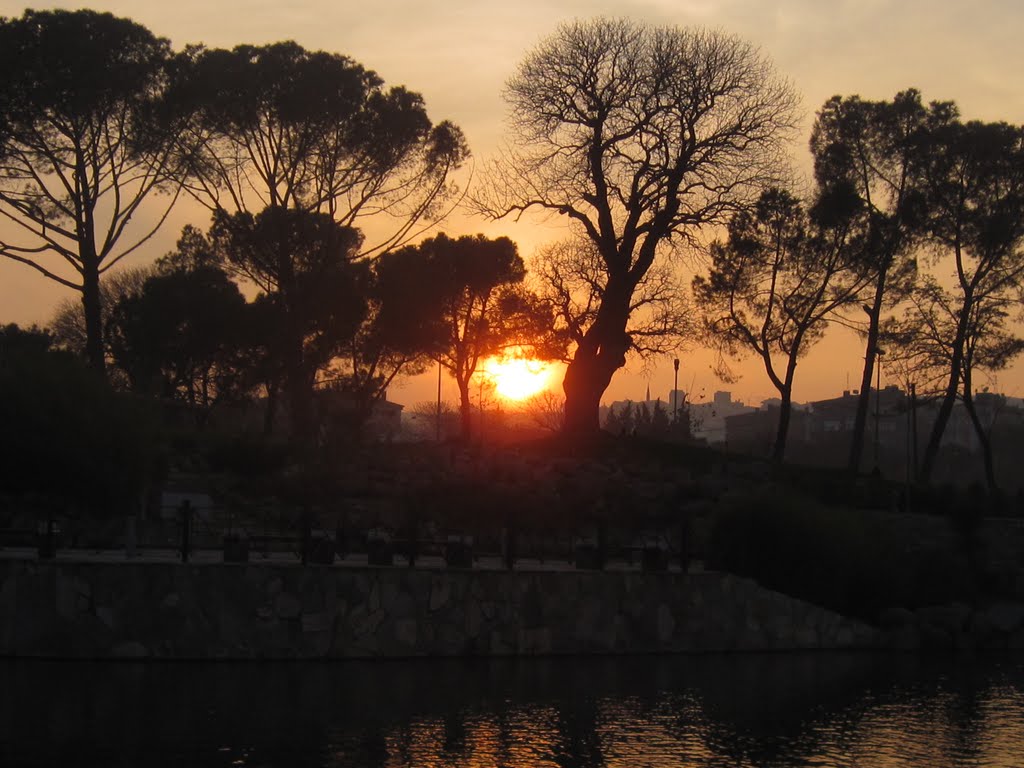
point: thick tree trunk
(586, 379)
(599, 355)
(863, 398)
(92, 306)
(583, 386)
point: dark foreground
(761, 711)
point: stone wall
(169, 610)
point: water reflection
(758, 711)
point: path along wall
(226, 611)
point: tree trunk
(983, 440)
(586, 379)
(599, 355)
(582, 397)
(864, 396)
(92, 306)
(270, 413)
(785, 409)
(465, 409)
(931, 450)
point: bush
(846, 560)
(70, 442)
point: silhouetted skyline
(459, 57)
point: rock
(315, 622)
(666, 624)
(131, 650)
(905, 638)
(474, 618)
(950, 618)
(935, 638)
(369, 625)
(405, 632)
(440, 592)
(892, 618)
(106, 615)
(287, 606)
(1006, 617)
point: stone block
(440, 592)
(950, 618)
(666, 625)
(406, 633)
(130, 650)
(287, 606)
(1005, 616)
(316, 622)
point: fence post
(307, 532)
(509, 553)
(414, 538)
(185, 512)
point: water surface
(762, 711)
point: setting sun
(517, 378)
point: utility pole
(675, 393)
(437, 425)
(913, 433)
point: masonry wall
(228, 611)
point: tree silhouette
(639, 136)
(83, 143)
(484, 311)
(875, 151)
(183, 337)
(773, 286)
(279, 126)
(974, 180)
(305, 265)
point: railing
(188, 533)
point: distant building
(754, 432)
(707, 420)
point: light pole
(675, 395)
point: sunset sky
(458, 54)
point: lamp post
(675, 394)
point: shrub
(847, 560)
(70, 441)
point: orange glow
(517, 378)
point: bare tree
(640, 136)
(546, 410)
(570, 277)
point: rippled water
(776, 711)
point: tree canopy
(639, 135)
(280, 126)
(82, 146)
